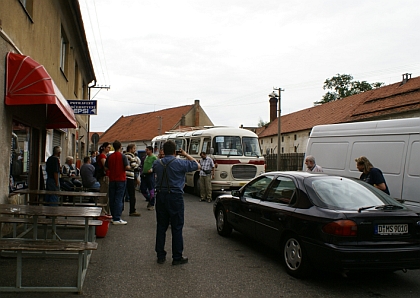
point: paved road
(125, 266)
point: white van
(393, 146)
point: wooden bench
(26, 245)
(48, 221)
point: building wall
(294, 142)
(37, 33)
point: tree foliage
(262, 123)
(341, 86)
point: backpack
(99, 171)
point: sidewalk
(125, 263)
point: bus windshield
(227, 145)
(251, 146)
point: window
(282, 149)
(271, 140)
(227, 145)
(257, 188)
(251, 147)
(194, 146)
(295, 149)
(206, 145)
(28, 6)
(262, 142)
(282, 190)
(76, 79)
(295, 137)
(282, 138)
(20, 157)
(64, 52)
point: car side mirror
(236, 193)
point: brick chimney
(406, 77)
(197, 112)
(273, 108)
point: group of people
(370, 174)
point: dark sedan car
(327, 222)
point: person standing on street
(370, 174)
(170, 180)
(131, 181)
(53, 175)
(147, 184)
(116, 164)
(102, 176)
(311, 166)
(206, 174)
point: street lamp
(274, 95)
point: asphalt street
(125, 266)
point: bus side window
(206, 145)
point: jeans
(116, 197)
(51, 186)
(169, 209)
(131, 191)
(147, 187)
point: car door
(273, 212)
(243, 210)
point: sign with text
(83, 107)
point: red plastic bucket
(103, 229)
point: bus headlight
(223, 175)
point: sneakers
(209, 200)
(134, 214)
(151, 208)
(181, 261)
(119, 222)
(202, 200)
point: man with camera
(206, 174)
(170, 180)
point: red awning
(28, 83)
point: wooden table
(80, 194)
(20, 245)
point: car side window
(283, 190)
(256, 189)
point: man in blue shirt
(170, 180)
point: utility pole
(89, 94)
(278, 129)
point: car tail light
(341, 228)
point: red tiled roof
(392, 99)
(144, 127)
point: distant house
(142, 128)
(399, 100)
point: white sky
(230, 54)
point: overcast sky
(229, 54)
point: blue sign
(83, 107)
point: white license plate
(391, 229)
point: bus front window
(251, 146)
(227, 145)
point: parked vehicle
(322, 221)
(235, 152)
(391, 145)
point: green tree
(261, 123)
(341, 86)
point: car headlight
(223, 175)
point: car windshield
(348, 194)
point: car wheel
(294, 257)
(223, 227)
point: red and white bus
(235, 151)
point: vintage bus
(235, 151)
